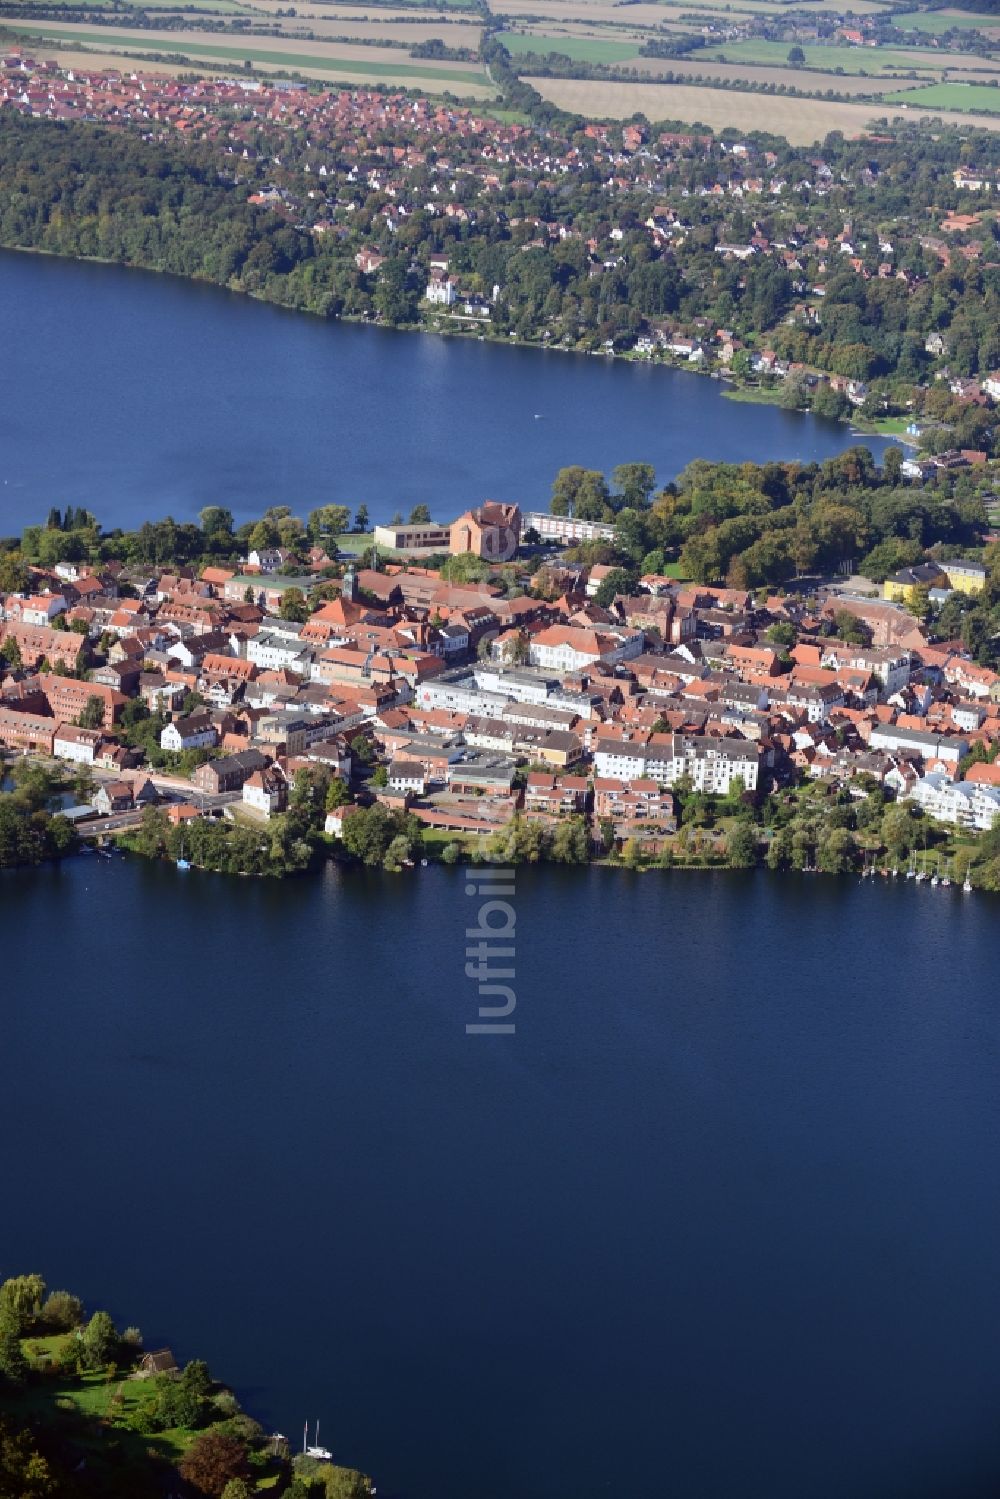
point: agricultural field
(801, 121)
(871, 60)
(403, 33)
(937, 21)
(580, 49)
(327, 11)
(776, 7)
(109, 62)
(964, 96)
(350, 62)
(600, 12)
(800, 78)
(224, 7)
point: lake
(140, 396)
(719, 1220)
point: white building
(965, 804)
(566, 528)
(441, 291)
(78, 745)
(191, 731)
(265, 791)
(565, 648)
(711, 764)
(947, 747)
(272, 652)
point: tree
(327, 521)
(850, 628)
(898, 829)
(11, 653)
(636, 482)
(92, 714)
(397, 853)
(796, 56)
(24, 1472)
(212, 1461)
(613, 583)
(217, 522)
(631, 854)
(361, 750)
(569, 842)
(361, 521)
(21, 1301)
(782, 633)
(293, 606)
(741, 847)
(264, 537)
(237, 1488)
(61, 1311)
(99, 1341)
(338, 794)
(581, 492)
(13, 1364)
(420, 515)
(836, 852)
(14, 577)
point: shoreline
(924, 867)
(477, 333)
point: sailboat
(967, 885)
(182, 863)
(323, 1453)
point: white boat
(323, 1454)
(183, 864)
(967, 885)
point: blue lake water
(720, 1219)
(140, 395)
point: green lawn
(755, 395)
(94, 1396)
(971, 96)
(853, 60)
(437, 839)
(167, 44)
(579, 48)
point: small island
(86, 1411)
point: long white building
(711, 764)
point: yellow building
(901, 586)
(970, 577)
